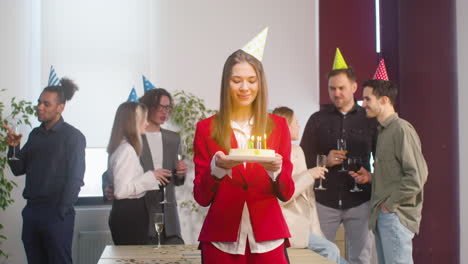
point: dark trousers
(128, 222)
(46, 236)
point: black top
(54, 163)
(320, 135)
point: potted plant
(19, 113)
(188, 110)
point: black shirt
(320, 135)
(54, 163)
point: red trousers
(212, 255)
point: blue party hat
(53, 79)
(147, 85)
(133, 96)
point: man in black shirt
(53, 160)
(344, 119)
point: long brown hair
(221, 130)
(128, 117)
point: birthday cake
(251, 154)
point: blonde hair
(285, 112)
(221, 130)
(127, 121)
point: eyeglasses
(166, 108)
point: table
(184, 254)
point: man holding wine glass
(53, 160)
(339, 131)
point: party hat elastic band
(381, 72)
(339, 62)
(256, 46)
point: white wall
(462, 54)
(193, 39)
(177, 44)
(19, 74)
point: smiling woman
(236, 191)
(244, 85)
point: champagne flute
(341, 145)
(163, 189)
(158, 219)
(356, 165)
(16, 134)
(181, 152)
(321, 162)
(180, 156)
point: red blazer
(226, 197)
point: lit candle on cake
(251, 142)
(264, 141)
(259, 142)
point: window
(96, 164)
(103, 46)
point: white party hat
(256, 46)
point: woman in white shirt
(128, 220)
(300, 211)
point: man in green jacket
(400, 173)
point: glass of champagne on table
(356, 164)
(321, 162)
(158, 219)
(341, 145)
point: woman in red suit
(244, 223)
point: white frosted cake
(265, 153)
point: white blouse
(126, 172)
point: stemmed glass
(163, 188)
(356, 164)
(16, 132)
(180, 156)
(341, 145)
(181, 152)
(158, 219)
(321, 162)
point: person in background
(128, 220)
(244, 223)
(160, 149)
(400, 172)
(344, 119)
(53, 160)
(300, 211)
